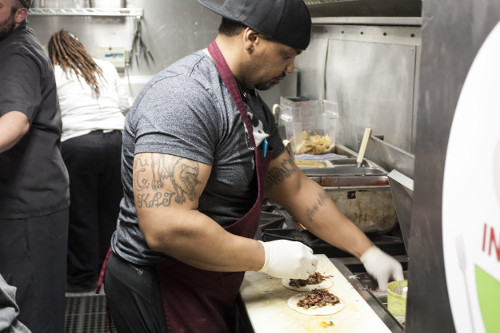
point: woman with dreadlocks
(93, 104)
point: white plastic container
(310, 125)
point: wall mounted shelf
(324, 2)
(137, 12)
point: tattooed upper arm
(162, 180)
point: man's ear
(250, 38)
(20, 15)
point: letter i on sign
(490, 242)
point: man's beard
(263, 86)
(268, 85)
(7, 26)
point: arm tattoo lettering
(140, 166)
(182, 174)
(153, 201)
(277, 174)
(311, 211)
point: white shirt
(82, 112)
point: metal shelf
(137, 12)
(368, 20)
(323, 2)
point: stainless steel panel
(402, 192)
(390, 157)
(453, 31)
(373, 84)
(370, 72)
(312, 65)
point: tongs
(138, 45)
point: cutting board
(266, 303)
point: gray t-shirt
(187, 111)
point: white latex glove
(381, 266)
(288, 259)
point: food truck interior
(367, 57)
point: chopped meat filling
(315, 278)
(317, 298)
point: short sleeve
(19, 85)
(177, 116)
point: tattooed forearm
(153, 172)
(322, 198)
(277, 174)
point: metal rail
(377, 306)
(137, 12)
(322, 2)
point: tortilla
(326, 284)
(316, 311)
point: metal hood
(360, 8)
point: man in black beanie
(34, 193)
(200, 153)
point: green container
(396, 297)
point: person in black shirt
(34, 186)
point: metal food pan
(370, 208)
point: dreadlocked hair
(67, 52)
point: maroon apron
(196, 300)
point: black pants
(134, 297)
(93, 162)
(33, 259)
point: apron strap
(232, 86)
(102, 276)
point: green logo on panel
(488, 293)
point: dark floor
(86, 313)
